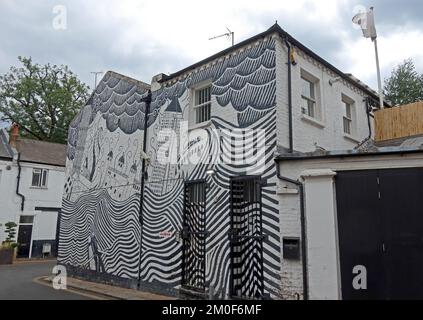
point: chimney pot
(14, 135)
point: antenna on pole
(96, 73)
(227, 34)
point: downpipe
(300, 187)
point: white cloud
(359, 55)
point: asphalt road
(16, 282)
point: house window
(308, 95)
(39, 178)
(202, 105)
(348, 117)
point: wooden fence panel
(399, 122)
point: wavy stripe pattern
(100, 228)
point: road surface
(17, 282)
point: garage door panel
(380, 223)
(360, 229)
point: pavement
(32, 280)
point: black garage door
(380, 227)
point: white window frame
(311, 100)
(316, 116)
(42, 180)
(348, 120)
(204, 106)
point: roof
(5, 150)
(277, 29)
(368, 148)
(411, 141)
(42, 152)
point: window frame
(197, 105)
(42, 182)
(313, 113)
(348, 106)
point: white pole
(379, 79)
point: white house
(31, 186)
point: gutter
(19, 182)
(303, 228)
(147, 101)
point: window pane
(36, 178)
(44, 178)
(307, 88)
(348, 110)
(311, 108)
(347, 125)
(26, 219)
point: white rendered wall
(10, 203)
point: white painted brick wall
(291, 271)
(331, 137)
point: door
(194, 236)
(361, 233)
(401, 199)
(24, 241)
(380, 224)
(246, 238)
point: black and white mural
(100, 229)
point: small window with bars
(39, 178)
(202, 105)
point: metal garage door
(380, 227)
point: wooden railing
(399, 122)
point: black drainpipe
(19, 182)
(303, 228)
(290, 126)
(147, 101)
(368, 109)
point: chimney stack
(14, 135)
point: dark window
(39, 178)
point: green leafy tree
(42, 99)
(11, 233)
(405, 85)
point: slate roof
(405, 145)
(5, 150)
(42, 152)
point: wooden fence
(399, 122)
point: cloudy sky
(143, 38)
